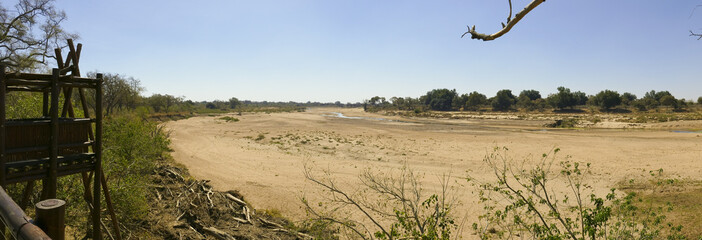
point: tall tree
(563, 99)
(29, 31)
(504, 99)
(118, 92)
(475, 100)
(607, 99)
(440, 99)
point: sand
(269, 171)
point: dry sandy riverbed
(269, 172)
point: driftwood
(231, 197)
(218, 233)
(199, 208)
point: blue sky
(352, 50)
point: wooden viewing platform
(57, 144)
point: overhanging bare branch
(698, 35)
(505, 27)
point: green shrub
(606, 99)
(504, 99)
(229, 119)
(522, 202)
(564, 123)
(131, 145)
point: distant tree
(563, 99)
(29, 32)
(119, 92)
(606, 99)
(669, 100)
(580, 98)
(163, 103)
(645, 103)
(699, 100)
(528, 99)
(503, 100)
(398, 103)
(628, 98)
(234, 103)
(440, 99)
(377, 100)
(657, 95)
(459, 102)
(531, 94)
(475, 100)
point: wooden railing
(17, 221)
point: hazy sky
(329, 50)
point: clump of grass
(595, 120)
(564, 123)
(260, 137)
(229, 119)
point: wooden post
(53, 156)
(97, 148)
(27, 194)
(2, 136)
(51, 215)
(110, 209)
(45, 104)
(2, 125)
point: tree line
(529, 100)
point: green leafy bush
(229, 119)
(131, 145)
(539, 203)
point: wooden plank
(41, 161)
(26, 82)
(29, 76)
(44, 121)
(45, 148)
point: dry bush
(386, 205)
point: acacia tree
(29, 31)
